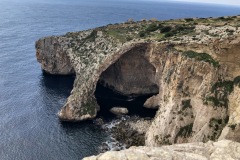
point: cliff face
(163, 58)
(51, 53)
(192, 151)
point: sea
(30, 100)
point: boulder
(119, 110)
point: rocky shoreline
(131, 131)
(124, 132)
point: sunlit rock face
(189, 151)
(131, 74)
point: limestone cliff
(221, 150)
(189, 63)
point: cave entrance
(128, 83)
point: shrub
(201, 57)
(188, 19)
(237, 81)
(186, 104)
(152, 27)
(142, 33)
(169, 34)
(220, 90)
(233, 126)
(185, 131)
(166, 29)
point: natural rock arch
(132, 74)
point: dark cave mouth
(108, 98)
(128, 83)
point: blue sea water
(29, 100)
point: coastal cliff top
(188, 30)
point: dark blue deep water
(29, 101)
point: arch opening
(128, 83)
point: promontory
(191, 65)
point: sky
(227, 2)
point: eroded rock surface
(189, 66)
(132, 74)
(51, 53)
(221, 150)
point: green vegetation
(225, 19)
(201, 57)
(186, 104)
(220, 91)
(183, 29)
(169, 34)
(237, 81)
(232, 126)
(117, 34)
(188, 19)
(166, 29)
(226, 85)
(142, 33)
(152, 27)
(92, 36)
(217, 125)
(89, 108)
(185, 131)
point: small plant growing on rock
(237, 81)
(166, 29)
(220, 91)
(152, 27)
(232, 126)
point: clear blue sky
(224, 2)
(227, 2)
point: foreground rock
(119, 111)
(190, 65)
(131, 131)
(222, 150)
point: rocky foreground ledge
(222, 150)
(191, 65)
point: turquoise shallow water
(29, 101)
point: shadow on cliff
(57, 85)
(108, 98)
(54, 92)
(128, 82)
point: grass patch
(201, 57)
(117, 35)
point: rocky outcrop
(188, 68)
(51, 53)
(130, 131)
(119, 110)
(191, 151)
(152, 102)
(232, 129)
